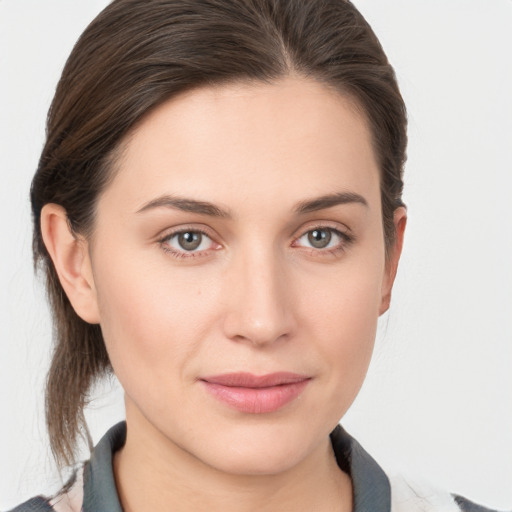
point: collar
(372, 491)
(370, 484)
(100, 491)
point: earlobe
(71, 260)
(400, 221)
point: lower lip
(257, 400)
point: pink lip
(256, 394)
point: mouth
(256, 394)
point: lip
(256, 394)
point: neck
(152, 473)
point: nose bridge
(260, 311)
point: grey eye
(190, 240)
(319, 238)
(188, 243)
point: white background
(438, 398)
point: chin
(261, 448)
(256, 460)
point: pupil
(319, 238)
(189, 240)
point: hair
(136, 55)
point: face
(239, 270)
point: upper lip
(249, 380)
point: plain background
(438, 398)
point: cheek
(152, 319)
(343, 312)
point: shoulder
(412, 496)
(92, 484)
(468, 506)
(379, 491)
(38, 504)
(69, 499)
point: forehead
(291, 138)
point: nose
(260, 308)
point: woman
(218, 209)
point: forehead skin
(256, 130)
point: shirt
(93, 488)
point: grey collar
(100, 493)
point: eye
(188, 243)
(319, 238)
(323, 238)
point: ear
(71, 260)
(393, 257)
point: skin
(256, 296)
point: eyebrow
(206, 208)
(185, 205)
(328, 201)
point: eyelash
(345, 238)
(345, 241)
(164, 243)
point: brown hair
(135, 55)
